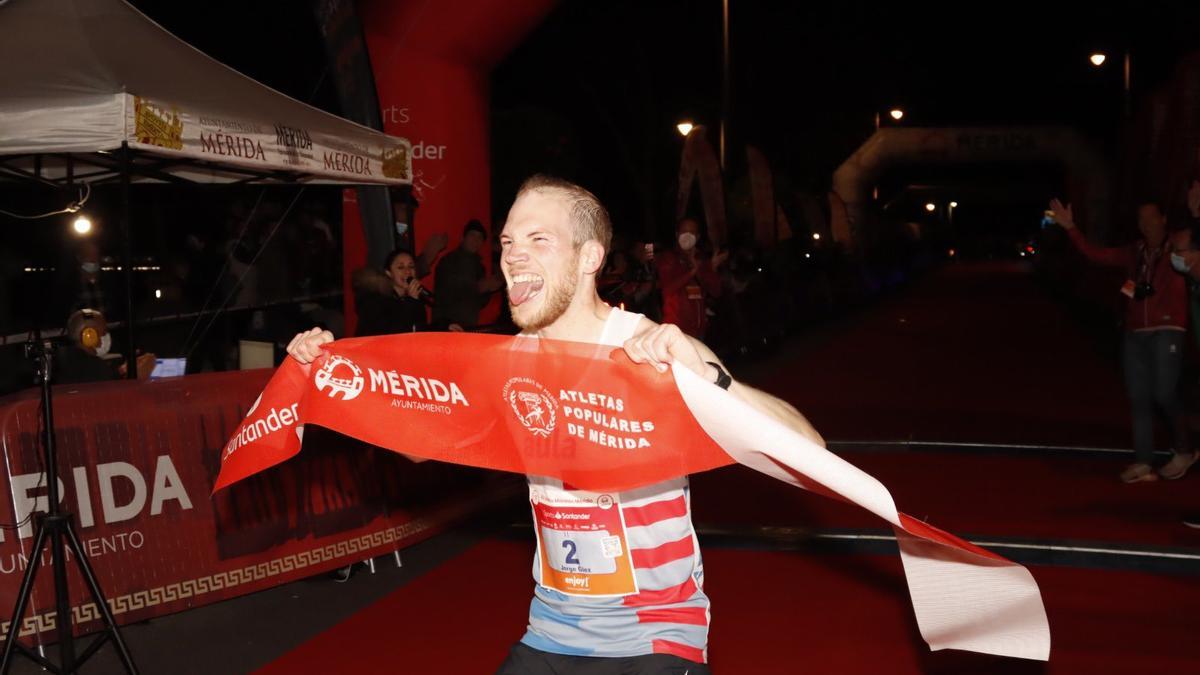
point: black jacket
(387, 314)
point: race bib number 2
(582, 547)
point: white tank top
(617, 574)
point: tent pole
(127, 264)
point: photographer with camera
(1156, 316)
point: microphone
(425, 293)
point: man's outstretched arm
(659, 345)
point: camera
(1143, 290)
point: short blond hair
(589, 218)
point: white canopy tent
(83, 79)
(94, 92)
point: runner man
(625, 595)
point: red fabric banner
(137, 460)
(584, 414)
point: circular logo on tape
(341, 377)
(532, 404)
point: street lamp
(816, 236)
(82, 225)
(896, 114)
(685, 128)
(954, 205)
(1097, 59)
(930, 207)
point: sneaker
(1137, 473)
(1192, 521)
(1178, 465)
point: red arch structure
(431, 62)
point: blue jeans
(1153, 362)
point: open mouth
(523, 288)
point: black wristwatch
(723, 378)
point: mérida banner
(585, 414)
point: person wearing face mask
(1156, 319)
(391, 302)
(688, 280)
(87, 356)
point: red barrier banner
(586, 415)
(137, 461)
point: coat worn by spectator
(461, 282)
(390, 301)
(1155, 328)
(688, 280)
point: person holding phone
(1156, 319)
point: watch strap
(723, 377)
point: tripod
(56, 527)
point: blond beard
(558, 301)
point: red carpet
(974, 353)
(1048, 497)
(772, 613)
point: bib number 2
(583, 549)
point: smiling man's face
(539, 259)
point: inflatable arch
(1087, 173)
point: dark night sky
(808, 77)
(594, 92)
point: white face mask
(105, 345)
(90, 267)
(687, 241)
(1179, 263)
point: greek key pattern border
(189, 588)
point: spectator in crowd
(645, 298)
(612, 285)
(462, 283)
(688, 280)
(404, 207)
(1155, 329)
(311, 249)
(1187, 259)
(87, 357)
(391, 302)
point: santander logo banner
(585, 415)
